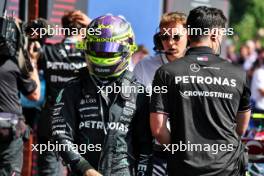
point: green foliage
(246, 29)
(257, 10)
(246, 17)
(237, 10)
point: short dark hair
(204, 17)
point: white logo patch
(195, 67)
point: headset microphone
(162, 51)
(165, 52)
(158, 47)
(219, 48)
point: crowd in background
(250, 57)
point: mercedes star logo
(195, 67)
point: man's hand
(34, 51)
(92, 172)
(81, 18)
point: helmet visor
(107, 47)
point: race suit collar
(200, 50)
(86, 82)
(90, 84)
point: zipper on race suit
(110, 118)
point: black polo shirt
(205, 93)
(12, 81)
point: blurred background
(143, 15)
(244, 48)
(245, 16)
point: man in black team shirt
(208, 104)
(60, 63)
